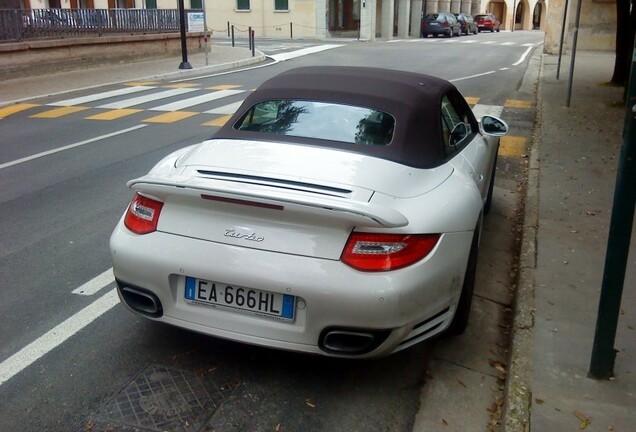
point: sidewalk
(220, 58)
(573, 168)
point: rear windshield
(434, 17)
(319, 120)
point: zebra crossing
(167, 103)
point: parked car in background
(338, 212)
(487, 22)
(441, 23)
(467, 23)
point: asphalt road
(63, 190)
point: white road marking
(70, 146)
(523, 57)
(197, 100)
(470, 41)
(96, 284)
(303, 52)
(148, 98)
(56, 336)
(225, 109)
(509, 43)
(489, 42)
(504, 69)
(100, 96)
(472, 76)
(480, 110)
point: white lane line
(225, 109)
(100, 96)
(504, 69)
(480, 110)
(70, 146)
(197, 100)
(303, 52)
(96, 284)
(56, 336)
(508, 43)
(489, 42)
(523, 57)
(148, 98)
(470, 41)
(472, 76)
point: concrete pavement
(541, 385)
(568, 209)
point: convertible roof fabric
(413, 99)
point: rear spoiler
(360, 213)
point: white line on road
(523, 57)
(480, 110)
(225, 109)
(127, 103)
(472, 76)
(70, 146)
(100, 96)
(197, 100)
(303, 52)
(56, 336)
(96, 284)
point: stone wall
(38, 57)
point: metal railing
(18, 25)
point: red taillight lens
(384, 252)
(444, 24)
(143, 214)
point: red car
(487, 22)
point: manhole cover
(164, 399)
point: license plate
(433, 24)
(246, 299)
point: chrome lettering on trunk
(251, 237)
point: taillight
(143, 214)
(444, 24)
(383, 252)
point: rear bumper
(410, 304)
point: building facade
(378, 19)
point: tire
(450, 33)
(460, 320)
(497, 29)
(491, 187)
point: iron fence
(18, 25)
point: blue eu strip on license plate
(246, 299)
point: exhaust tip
(140, 300)
(351, 341)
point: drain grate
(165, 399)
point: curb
(518, 390)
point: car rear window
(434, 17)
(319, 120)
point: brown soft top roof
(413, 99)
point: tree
(625, 31)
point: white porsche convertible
(338, 212)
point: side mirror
(492, 125)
